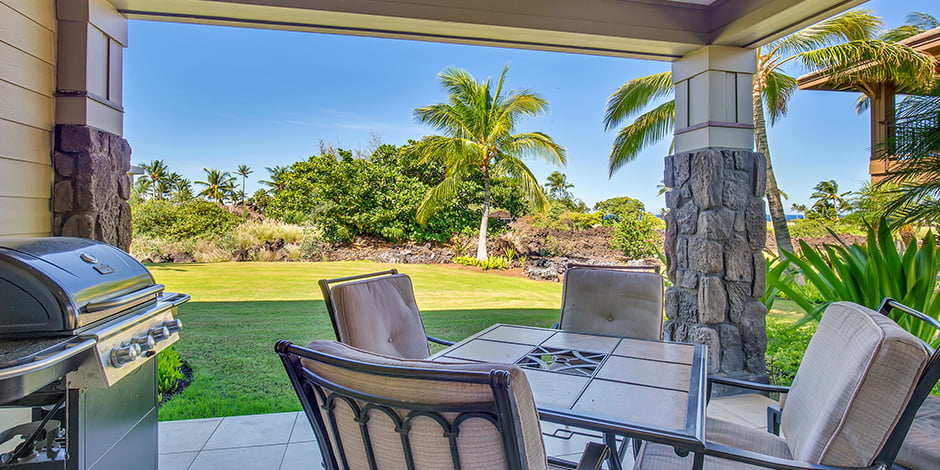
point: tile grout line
(287, 444)
(203, 446)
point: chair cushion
(380, 315)
(479, 441)
(921, 447)
(608, 301)
(659, 456)
(858, 373)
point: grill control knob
(159, 333)
(144, 341)
(123, 354)
(173, 325)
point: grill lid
(58, 285)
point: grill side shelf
(43, 368)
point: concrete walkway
(285, 441)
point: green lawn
(239, 310)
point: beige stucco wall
(27, 115)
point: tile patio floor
(284, 441)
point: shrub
(251, 234)
(208, 252)
(816, 228)
(188, 220)
(866, 274)
(637, 237)
(786, 344)
(551, 246)
(169, 370)
(581, 221)
(493, 262)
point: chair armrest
(439, 341)
(768, 461)
(593, 456)
(591, 459)
(745, 384)
(774, 414)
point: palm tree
(829, 201)
(557, 185)
(180, 188)
(244, 171)
(154, 178)
(838, 45)
(276, 182)
(219, 185)
(478, 121)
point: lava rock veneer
(715, 233)
(92, 185)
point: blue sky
(217, 97)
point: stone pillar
(715, 227)
(90, 158)
(92, 185)
(715, 232)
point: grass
(239, 310)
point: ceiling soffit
(652, 29)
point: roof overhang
(928, 42)
(651, 29)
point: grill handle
(133, 297)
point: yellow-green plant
(493, 262)
(866, 274)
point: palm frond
(854, 25)
(648, 129)
(872, 61)
(635, 95)
(778, 88)
(900, 33)
(439, 195)
(454, 151)
(924, 21)
(862, 103)
(535, 144)
(517, 170)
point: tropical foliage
(478, 121)
(637, 237)
(219, 186)
(830, 203)
(378, 196)
(913, 185)
(837, 45)
(189, 220)
(616, 209)
(865, 274)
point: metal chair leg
(615, 458)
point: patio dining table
(644, 389)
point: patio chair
(613, 300)
(377, 312)
(370, 411)
(854, 396)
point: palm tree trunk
(484, 221)
(777, 218)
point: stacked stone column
(715, 233)
(92, 185)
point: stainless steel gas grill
(80, 322)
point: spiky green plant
(866, 274)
